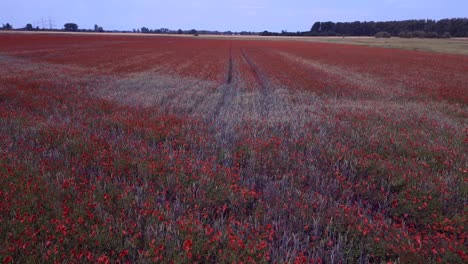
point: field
(447, 46)
(130, 149)
(452, 46)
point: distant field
(118, 148)
(450, 46)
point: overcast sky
(249, 15)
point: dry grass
(450, 46)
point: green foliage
(7, 26)
(446, 35)
(419, 34)
(98, 28)
(457, 27)
(405, 34)
(71, 27)
(383, 34)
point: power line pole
(51, 24)
(43, 25)
(46, 23)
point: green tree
(446, 35)
(383, 34)
(316, 27)
(29, 27)
(327, 26)
(71, 27)
(7, 26)
(98, 28)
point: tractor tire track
(267, 97)
(366, 83)
(229, 74)
(259, 76)
(224, 89)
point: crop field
(130, 149)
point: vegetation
(383, 34)
(7, 26)
(145, 30)
(422, 34)
(71, 27)
(128, 149)
(444, 28)
(457, 27)
(447, 46)
(98, 28)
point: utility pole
(46, 24)
(51, 24)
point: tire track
(367, 84)
(267, 98)
(229, 74)
(258, 75)
(225, 90)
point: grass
(449, 46)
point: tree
(316, 27)
(419, 34)
(98, 28)
(29, 27)
(327, 26)
(457, 27)
(383, 34)
(180, 31)
(193, 32)
(432, 34)
(7, 26)
(71, 27)
(144, 30)
(405, 34)
(446, 35)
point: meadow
(130, 149)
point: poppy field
(131, 149)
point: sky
(240, 15)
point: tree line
(419, 28)
(195, 32)
(456, 27)
(71, 27)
